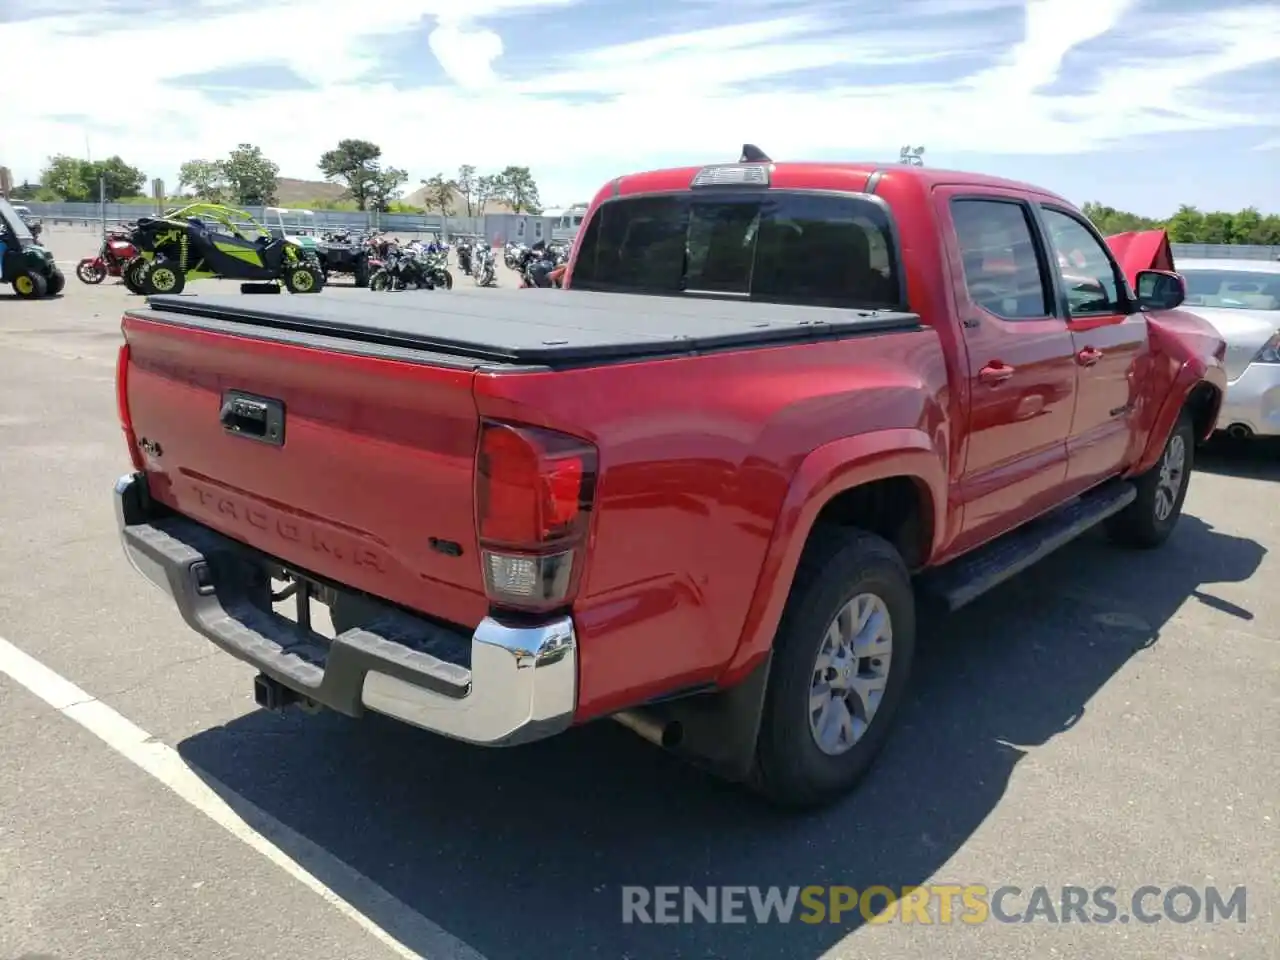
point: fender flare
(1190, 375)
(824, 474)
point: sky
(1138, 104)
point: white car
(1241, 298)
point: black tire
(132, 275)
(162, 277)
(380, 281)
(89, 272)
(362, 275)
(303, 278)
(446, 280)
(30, 285)
(1144, 523)
(57, 282)
(838, 565)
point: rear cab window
(1003, 273)
(776, 246)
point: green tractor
(24, 264)
(205, 240)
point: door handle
(1088, 356)
(995, 372)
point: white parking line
(400, 927)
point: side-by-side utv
(204, 241)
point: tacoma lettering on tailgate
(291, 529)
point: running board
(968, 577)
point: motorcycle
(513, 254)
(483, 269)
(537, 265)
(402, 269)
(115, 253)
(464, 257)
(436, 268)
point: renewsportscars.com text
(935, 904)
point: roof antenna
(753, 154)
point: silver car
(1241, 298)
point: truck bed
(539, 327)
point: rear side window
(1002, 271)
(779, 247)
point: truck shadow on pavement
(1257, 459)
(522, 853)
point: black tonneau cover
(545, 327)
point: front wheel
(303, 278)
(57, 282)
(444, 279)
(1149, 520)
(91, 270)
(380, 281)
(842, 656)
(161, 278)
(30, 285)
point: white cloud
(691, 95)
(466, 54)
(1272, 144)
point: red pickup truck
(700, 490)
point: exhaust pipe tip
(1239, 431)
(663, 733)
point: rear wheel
(362, 274)
(162, 278)
(1150, 519)
(132, 275)
(30, 285)
(380, 281)
(303, 278)
(841, 660)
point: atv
(24, 264)
(344, 253)
(203, 241)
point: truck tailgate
(367, 481)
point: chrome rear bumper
(498, 686)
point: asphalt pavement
(1108, 718)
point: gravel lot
(1107, 718)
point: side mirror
(1160, 290)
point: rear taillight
(535, 490)
(1270, 352)
(122, 406)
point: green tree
(250, 176)
(78, 180)
(465, 186)
(518, 189)
(68, 177)
(439, 194)
(488, 187)
(207, 179)
(354, 163)
(1186, 226)
(385, 187)
(1109, 220)
(117, 177)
